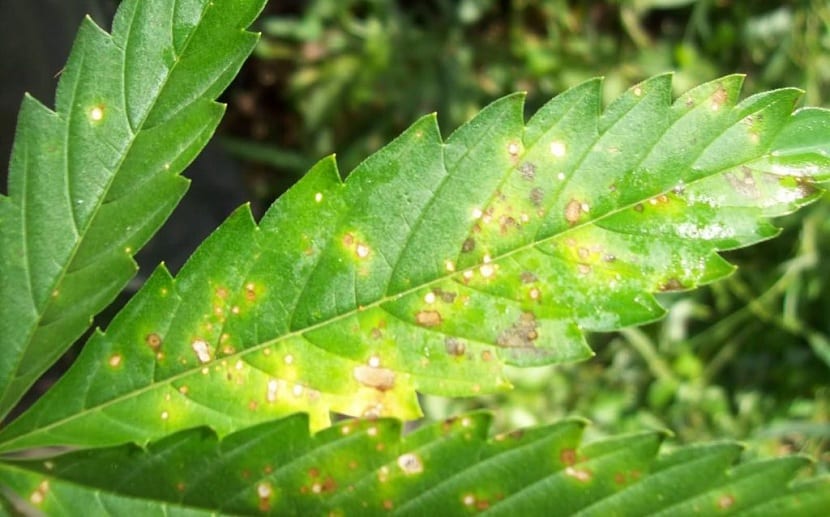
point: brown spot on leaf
(659, 200)
(506, 223)
(250, 291)
(522, 334)
(445, 296)
(488, 214)
(528, 278)
(567, 456)
(469, 245)
(805, 189)
(447, 425)
(572, 211)
(726, 501)
(537, 195)
(381, 379)
(719, 98)
(455, 346)
(153, 340)
(428, 318)
(528, 171)
(672, 284)
(801, 185)
(264, 491)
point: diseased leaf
(436, 263)
(364, 467)
(68, 499)
(91, 181)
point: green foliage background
(746, 358)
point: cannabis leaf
(364, 467)
(91, 181)
(437, 262)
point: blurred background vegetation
(747, 358)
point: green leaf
(365, 467)
(91, 181)
(437, 263)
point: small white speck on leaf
(263, 490)
(271, 390)
(96, 114)
(558, 149)
(410, 463)
(202, 350)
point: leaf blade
(437, 262)
(449, 468)
(67, 246)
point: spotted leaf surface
(365, 467)
(437, 262)
(91, 181)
